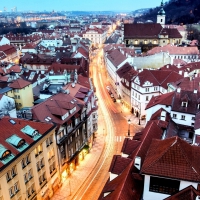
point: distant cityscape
(99, 105)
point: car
(112, 96)
(114, 100)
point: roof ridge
(166, 149)
(188, 160)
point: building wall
(152, 110)
(187, 121)
(147, 195)
(32, 183)
(154, 61)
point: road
(116, 128)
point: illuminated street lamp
(129, 122)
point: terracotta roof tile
(172, 158)
(188, 193)
(19, 84)
(164, 99)
(118, 164)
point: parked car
(112, 96)
(114, 100)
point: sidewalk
(76, 179)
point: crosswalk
(119, 138)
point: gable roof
(55, 107)
(116, 57)
(188, 193)
(19, 84)
(172, 158)
(118, 164)
(149, 30)
(164, 99)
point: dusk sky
(78, 5)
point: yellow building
(22, 93)
(28, 160)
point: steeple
(161, 15)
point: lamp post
(129, 122)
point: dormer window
(17, 142)
(33, 133)
(184, 104)
(198, 106)
(185, 99)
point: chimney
(178, 90)
(185, 74)
(137, 162)
(163, 116)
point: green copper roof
(6, 159)
(161, 11)
(15, 141)
(28, 130)
(2, 150)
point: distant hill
(140, 11)
(177, 12)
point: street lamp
(129, 122)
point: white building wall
(152, 110)
(187, 121)
(147, 195)
(184, 184)
(153, 61)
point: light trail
(109, 124)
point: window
(155, 88)
(16, 187)
(25, 178)
(11, 192)
(8, 177)
(174, 116)
(146, 89)
(38, 166)
(14, 171)
(165, 186)
(23, 163)
(147, 98)
(182, 117)
(28, 159)
(18, 96)
(184, 104)
(193, 118)
(42, 163)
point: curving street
(115, 128)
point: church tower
(161, 15)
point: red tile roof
(188, 193)
(172, 158)
(118, 164)
(123, 187)
(8, 129)
(19, 84)
(55, 107)
(116, 57)
(142, 31)
(164, 99)
(129, 146)
(174, 50)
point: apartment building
(28, 160)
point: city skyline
(78, 5)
